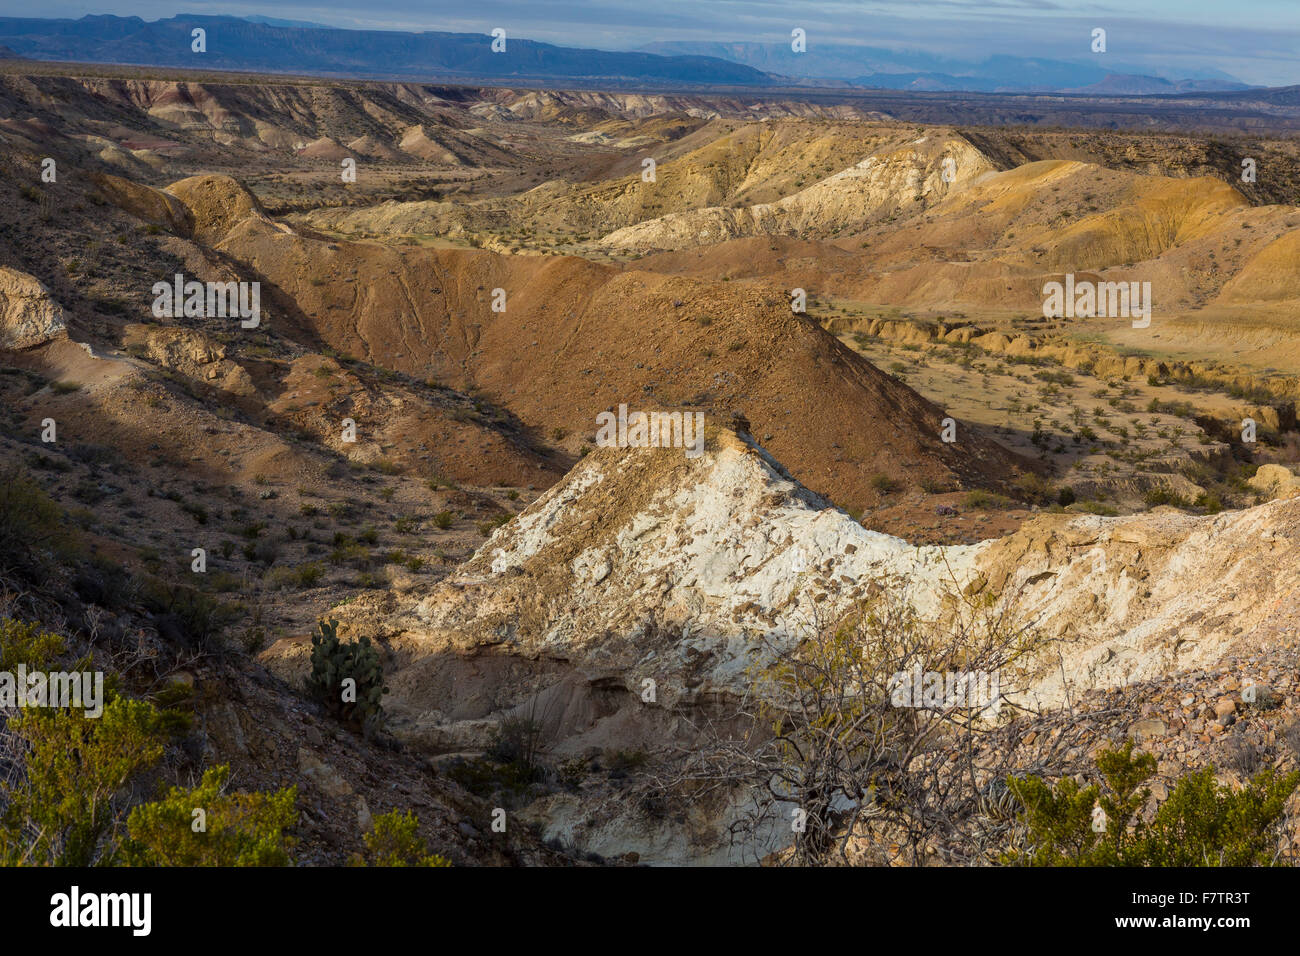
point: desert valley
(277, 352)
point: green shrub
(61, 811)
(185, 613)
(1163, 496)
(982, 499)
(302, 576)
(443, 520)
(31, 525)
(1097, 508)
(884, 484)
(27, 644)
(238, 829)
(352, 554)
(1035, 489)
(1211, 502)
(1200, 824)
(486, 528)
(394, 840)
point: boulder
(29, 316)
(1276, 481)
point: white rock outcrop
(643, 564)
(29, 316)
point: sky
(1257, 41)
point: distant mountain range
(269, 45)
(241, 44)
(879, 68)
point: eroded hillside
(454, 284)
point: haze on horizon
(1252, 40)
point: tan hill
(991, 244)
(576, 339)
(891, 181)
(724, 163)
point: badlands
(456, 282)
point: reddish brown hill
(578, 338)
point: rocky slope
(889, 182)
(558, 340)
(645, 566)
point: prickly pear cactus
(360, 703)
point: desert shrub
(264, 551)
(1055, 378)
(348, 679)
(486, 528)
(1034, 488)
(1097, 508)
(60, 812)
(48, 463)
(1200, 824)
(238, 829)
(27, 644)
(623, 762)
(518, 741)
(89, 491)
(884, 484)
(185, 614)
(394, 840)
(31, 526)
(442, 520)
(342, 510)
(89, 454)
(309, 574)
(1211, 502)
(352, 554)
(486, 778)
(838, 736)
(572, 772)
(979, 498)
(302, 576)
(1163, 496)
